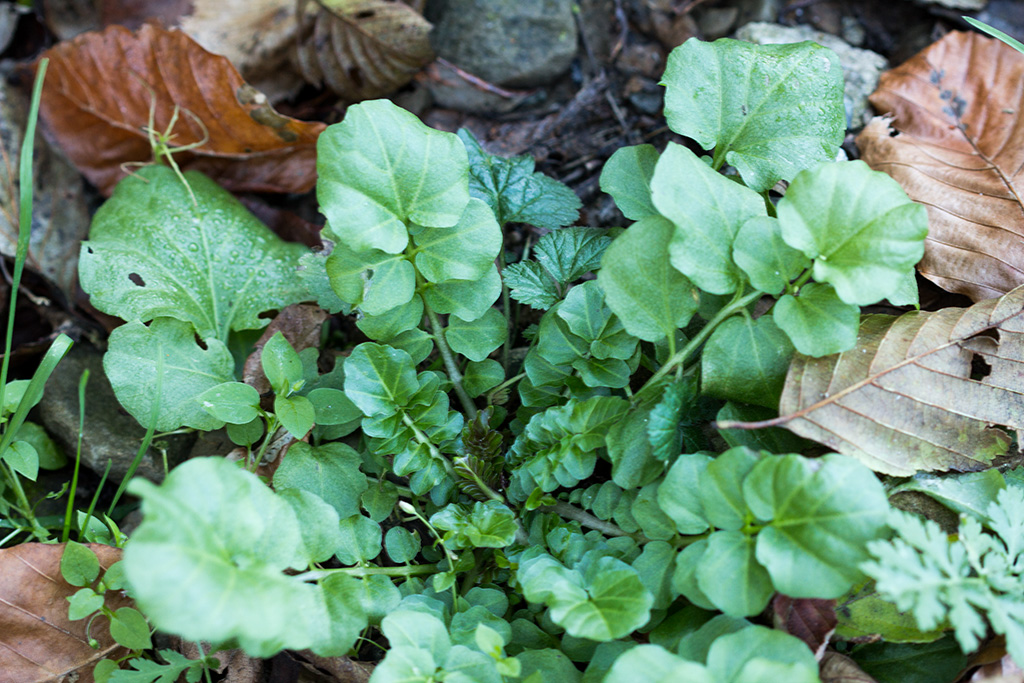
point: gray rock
(513, 43)
(861, 68)
(109, 432)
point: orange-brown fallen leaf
(812, 620)
(958, 148)
(101, 87)
(37, 642)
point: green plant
(572, 494)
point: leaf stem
(569, 511)
(425, 440)
(437, 331)
(408, 570)
(739, 302)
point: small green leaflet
(817, 321)
(563, 257)
(626, 176)
(487, 524)
(515, 192)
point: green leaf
(296, 414)
(245, 434)
(318, 523)
(223, 539)
(281, 364)
(373, 280)
(969, 493)
(314, 276)
(675, 424)
(401, 544)
(381, 169)
(482, 376)
(684, 580)
(571, 253)
(488, 524)
(23, 459)
(406, 628)
(765, 257)
(405, 664)
(730, 576)
(83, 603)
(626, 176)
(746, 360)
(655, 566)
(708, 210)
(658, 666)
(465, 251)
(768, 110)
(346, 618)
(387, 326)
(332, 406)
(823, 512)
(772, 439)
(721, 489)
(761, 655)
(588, 317)
(232, 402)
(476, 339)
(154, 253)
(679, 493)
(379, 379)
(937, 662)
(515, 192)
(862, 248)
(818, 322)
(179, 371)
(633, 463)
(129, 628)
(360, 540)
(865, 614)
(468, 299)
(530, 284)
(649, 296)
(78, 564)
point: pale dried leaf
(101, 88)
(903, 399)
(37, 642)
(960, 152)
(837, 668)
(362, 49)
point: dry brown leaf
(837, 668)
(101, 88)
(362, 48)
(37, 642)
(960, 152)
(921, 392)
(812, 620)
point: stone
(861, 68)
(511, 43)
(109, 432)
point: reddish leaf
(37, 642)
(101, 88)
(812, 620)
(960, 152)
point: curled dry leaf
(837, 668)
(959, 150)
(919, 392)
(37, 642)
(362, 48)
(101, 88)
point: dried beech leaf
(362, 49)
(924, 391)
(101, 88)
(960, 152)
(37, 642)
(812, 620)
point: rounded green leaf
(617, 603)
(129, 628)
(823, 512)
(468, 299)
(246, 434)
(401, 544)
(626, 176)
(730, 576)
(765, 257)
(346, 617)
(381, 169)
(708, 210)
(768, 110)
(360, 540)
(387, 326)
(379, 379)
(463, 252)
(177, 368)
(373, 280)
(78, 564)
(858, 225)
(153, 252)
(658, 666)
(232, 402)
(83, 603)
(649, 296)
(296, 414)
(332, 406)
(746, 360)
(761, 655)
(482, 376)
(817, 321)
(684, 579)
(330, 471)
(477, 338)
(281, 364)
(23, 459)
(318, 523)
(721, 488)
(679, 493)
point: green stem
(506, 306)
(569, 511)
(794, 288)
(408, 570)
(425, 440)
(437, 330)
(739, 302)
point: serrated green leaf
(707, 210)
(730, 576)
(329, 471)
(746, 360)
(819, 529)
(765, 257)
(465, 251)
(515, 192)
(768, 110)
(626, 176)
(381, 169)
(476, 339)
(571, 253)
(154, 253)
(818, 322)
(649, 296)
(530, 284)
(862, 248)
(379, 379)
(679, 493)
(467, 299)
(232, 402)
(179, 370)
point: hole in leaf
(365, 14)
(355, 76)
(137, 279)
(980, 368)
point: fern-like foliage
(479, 463)
(961, 580)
